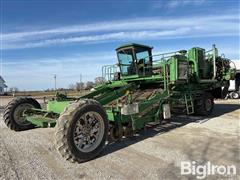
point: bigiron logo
(202, 171)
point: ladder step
(189, 104)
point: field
(153, 154)
(40, 95)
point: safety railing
(212, 53)
(165, 56)
(108, 71)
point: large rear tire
(13, 113)
(81, 131)
(205, 105)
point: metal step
(189, 103)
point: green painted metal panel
(41, 121)
(173, 69)
(114, 94)
(57, 106)
(110, 115)
(133, 45)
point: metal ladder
(189, 103)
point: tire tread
(9, 110)
(62, 126)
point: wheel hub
(88, 131)
(18, 113)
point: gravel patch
(155, 154)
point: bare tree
(89, 85)
(99, 80)
(79, 86)
(13, 89)
(72, 86)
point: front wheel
(13, 115)
(81, 131)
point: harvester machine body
(140, 83)
(140, 89)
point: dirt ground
(154, 154)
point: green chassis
(150, 109)
(174, 92)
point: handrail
(214, 62)
(108, 71)
(163, 55)
(214, 54)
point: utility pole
(55, 81)
(80, 82)
(80, 78)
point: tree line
(78, 86)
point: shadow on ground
(176, 122)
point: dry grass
(70, 93)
